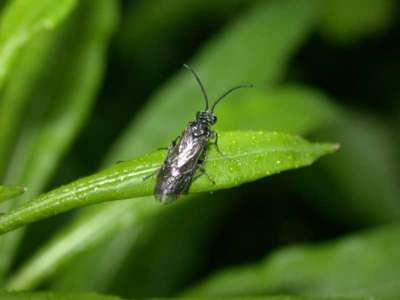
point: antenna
(199, 82)
(228, 92)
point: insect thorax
(199, 129)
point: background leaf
(8, 192)
(21, 20)
(349, 21)
(367, 157)
(361, 265)
(57, 296)
(50, 129)
(293, 108)
(163, 20)
(53, 296)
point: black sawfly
(187, 153)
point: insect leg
(203, 172)
(173, 144)
(215, 143)
(150, 175)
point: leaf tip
(335, 147)
(331, 148)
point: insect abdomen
(169, 187)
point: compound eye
(214, 119)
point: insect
(187, 153)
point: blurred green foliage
(8, 192)
(20, 23)
(356, 266)
(52, 296)
(84, 84)
(345, 21)
(50, 124)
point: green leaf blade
(247, 156)
(9, 192)
(350, 21)
(55, 296)
(21, 20)
(92, 296)
(58, 106)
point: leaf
(9, 192)
(347, 21)
(64, 296)
(361, 265)
(220, 64)
(145, 25)
(59, 104)
(16, 95)
(141, 273)
(67, 244)
(54, 296)
(247, 156)
(21, 20)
